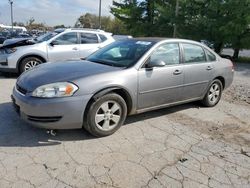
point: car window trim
(99, 38)
(78, 38)
(142, 67)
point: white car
(63, 44)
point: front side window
(46, 36)
(88, 38)
(67, 39)
(168, 53)
(193, 53)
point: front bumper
(4, 64)
(54, 113)
(7, 69)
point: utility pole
(100, 12)
(176, 15)
(11, 3)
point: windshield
(121, 53)
(46, 36)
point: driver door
(161, 85)
(64, 47)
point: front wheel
(106, 115)
(213, 94)
(29, 63)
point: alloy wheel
(214, 93)
(108, 115)
(31, 64)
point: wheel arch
(222, 79)
(29, 55)
(118, 90)
(204, 99)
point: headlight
(60, 89)
(10, 50)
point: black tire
(207, 101)
(90, 123)
(28, 60)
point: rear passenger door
(89, 43)
(198, 71)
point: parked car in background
(4, 35)
(122, 37)
(2, 39)
(23, 35)
(208, 43)
(126, 77)
(62, 44)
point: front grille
(21, 89)
(44, 119)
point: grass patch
(242, 60)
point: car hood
(16, 42)
(60, 72)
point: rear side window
(67, 39)
(210, 56)
(193, 53)
(103, 38)
(89, 38)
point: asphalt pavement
(183, 146)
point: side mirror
(155, 63)
(54, 42)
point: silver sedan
(126, 77)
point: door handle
(176, 72)
(75, 48)
(209, 68)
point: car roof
(79, 29)
(149, 39)
(160, 39)
(97, 31)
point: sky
(51, 12)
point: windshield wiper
(98, 61)
(105, 63)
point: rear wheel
(213, 94)
(106, 115)
(29, 63)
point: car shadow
(6, 75)
(161, 112)
(16, 133)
